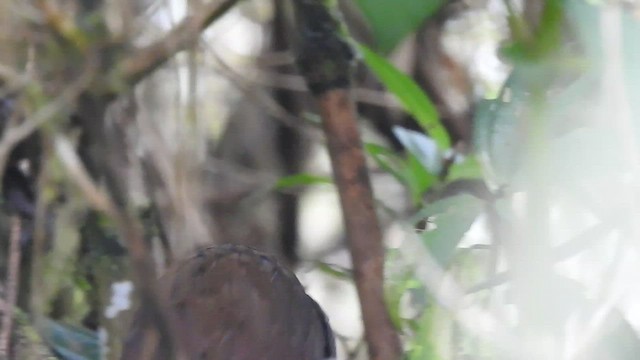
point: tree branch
(146, 60)
(325, 60)
(363, 228)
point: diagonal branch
(79, 175)
(183, 36)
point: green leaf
(400, 285)
(418, 178)
(395, 290)
(453, 217)
(386, 159)
(392, 21)
(544, 40)
(408, 171)
(303, 179)
(412, 98)
(469, 168)
(423, 346)
(499, 131)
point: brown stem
(363, 230)
(325, 60)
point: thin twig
(262, 98)
(183, 36)
(79, 175)
(296, 83)
(13, 277)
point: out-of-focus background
(517, 240)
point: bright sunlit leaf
(422, 147)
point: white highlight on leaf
(422, 147)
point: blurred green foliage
(391, 22)
(545, 107)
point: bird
(233, 302)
